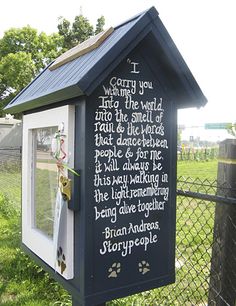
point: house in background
(7, 125)
(10, 139)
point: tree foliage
(24, 52)
(100, 24)
(16, 70)
(43, 48)
(78, 31)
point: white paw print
(114, 270)
(144, 267)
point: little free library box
(99, 161)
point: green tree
(100, 24)
(231, 129)
(23, 54)
(64, 29)
(81, 29)
(16, 70)
(78, 31)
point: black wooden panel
(130, 183)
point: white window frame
(34, 239)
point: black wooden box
(120, 104)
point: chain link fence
(200, 254)
(10, 173)
(206, 241)
(205, 261)
(204, 273)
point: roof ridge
(137, 16)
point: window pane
(45, 180)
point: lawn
(194, 169)
(24, 283)
(21, 281)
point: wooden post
(222, 289)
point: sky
(203, 30)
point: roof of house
(8, 120)
(83, 74)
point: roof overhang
(82, 75)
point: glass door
(45, 179)
(47, 223)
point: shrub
(7, 208)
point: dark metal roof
(82, 75)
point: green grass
(202, 169)
(45, 198)
(10, 184)
(24, 283)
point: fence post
(222, 289)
